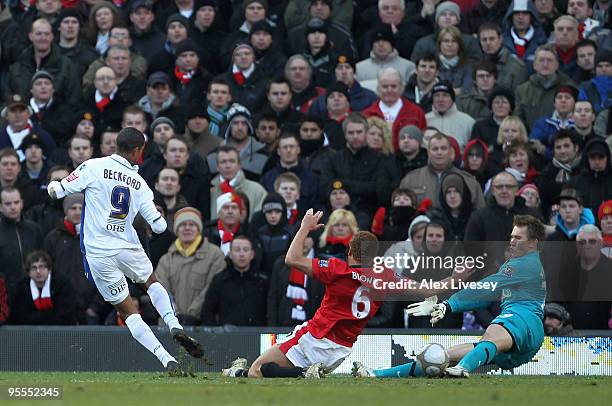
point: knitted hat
(187, 214)
(316, 25)
(246, 3)
(71, 200)
(262, 25)
(196, 109)
(448, 6)
(603, 56)
(383, 33)
(413, 132)
(69, 12)
(571, 90)
(529, 186)
(443, 87)
(136, 4)
(274, 201)
(234, 111)
(346, 58)
(328, 2)
(226, 198)
(453, 180)
(162, 120)
(337, 87)
(187, 45)
(177, 18)
(242, 44)
(604, 210)
(501, 91)
(339, 185)
(42, 74)
(31, 139)
(211, 3)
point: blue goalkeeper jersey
(521, 286)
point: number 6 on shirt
(360, 296)
(120, 200)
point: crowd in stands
(429, 123)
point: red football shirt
(346, 306)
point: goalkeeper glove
(429, 307)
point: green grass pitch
(126, 389)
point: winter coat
(236, 298)
(368, 69)
(273, 244)
(252, 93)
(47, 215)
(17, 240)
(392, 170)
(63, 312)
(426, 100)
(81, 55)
(253, 190)
(598, 91)
(459, 76)
(359, 99)
(474, 104)
(454, 226)
(57, 119)
(593, 187)
(454, 123)
(188, 279)
(196, 88)
(138, 69)
(147, 43)
(428, 44)
(561, 232)
(511, 70)
(297, 12)
(473, 18)
(539, 36)
(410, 113)
(111, 116)
(309, 190)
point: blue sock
(412, 368)
(482, 354)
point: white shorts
(108, 273)
(304, 350)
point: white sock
(163, 304)
(143, 334)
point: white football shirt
(114, 194)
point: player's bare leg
(163, 304)
(273, 363)
(495, 340)
(456, 352)
(143, 334)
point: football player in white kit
(114, 194)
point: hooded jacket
(539, 36)
(17, 240)
(593, 187)
(274, 240)
(455, 226)
(563, 234)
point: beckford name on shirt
(121, 177)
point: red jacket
(409, 114)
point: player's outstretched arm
(295, 254)
(76, 182)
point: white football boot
(237, 365)
(361, 371)
(316, 371)
(456, 372)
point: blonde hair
(378, 122)
(337, 216)
(512, 120)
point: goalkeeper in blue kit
(513, 337)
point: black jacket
(81, 55)
(148, 43)
(47, 215)
(17, 240)
(392, 170)
(62, 296)
(594, 187)
(358, 171)
(273, 242)
(252, 93)
(195, 89)
(236, 298)
(280, 306)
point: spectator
(544, 128)
(18, 125)
(289, 186)
(197, 129)
(168, 186)
(424, 181)
(55, 118)
(379, 136)
(477, 162)
(240, 134)
(12, 177)
(591, 308)
(596, 90)
(475, 103)
(572, 216)
(177, 31)
(535, 98)
(485, 12)
(531, 194)
(413, 246)
(584, 119)
(105, 101)
(510, 129)
(604, 215)
(557, 320)
(355, 164)
(454, 65)
(160, 100)
(586, 51)
(279, 104)
(246, 79)
(188, 269)
(43, 54)
(238, 295)
(455, 206)
(511, 70)
(420, 83)
(275, 236)
(338, 232)
(393, 224)
(18, 236)
(594, 183)
(35, 164)
(410, 155)
(519, 162)
(299, 73)
(208, 30)
(43, 298)
(162, 129)
(314, 147)
(69, 23)
(186, 8)
(564, 165)
(500, 104)
(231, 178)
(397, 111)
(267, 132)
(289, 152)
(547, 14)
(565, 38)
(219, 96)
(446, 117)
(108, 141)
(338, 108)
(147, 37)
(49, 214)
(79, 150)
(102, 17)
(582, 10)
(383, 55)
(523, 34)
(190, 79)
(267, 56)
(319, 51)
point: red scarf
(228, 235)
(239, 78)
(184, 78)
(297, 278)
(226, 187)
(378, 222)
(339, 240)
(293, 217)
(566, 56)
(607, 240)
(70, 227)
(101, 105)
(43, 303)
(581, 28)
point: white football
(433, 359)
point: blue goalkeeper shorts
(528, 333)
